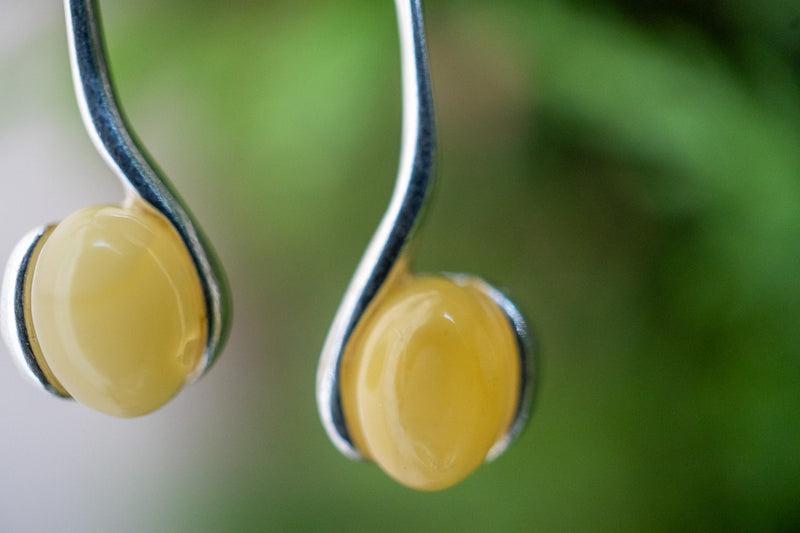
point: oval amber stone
(118, 310)
(430, 381)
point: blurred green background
(628, 171)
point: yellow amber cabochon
(118, 309)
(430, 380)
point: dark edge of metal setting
(14, 302)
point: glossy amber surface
(430, 380)
(118, 309)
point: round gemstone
(430, 380)
(118, 310)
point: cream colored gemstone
(430, 381)
(118, 309)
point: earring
(117, 306)
(427, 376)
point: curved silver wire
(392, 236)
(397, 225)
(116, 143)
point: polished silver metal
(395, 229)
(129, 160)
(394, 233)
(13, 306)
(116, 143)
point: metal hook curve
(397, 225)
(114, 140)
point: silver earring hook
(394, 232)
(116, 143)
(395, 229)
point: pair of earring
(120, 306)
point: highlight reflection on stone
(118, 309)
(430, 380)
